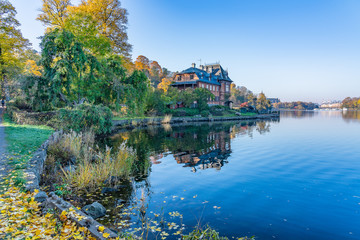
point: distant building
(273, 100)
(211, 76)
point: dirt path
(2, 148)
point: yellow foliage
(165, 83)
(21, 218)
(32, 68)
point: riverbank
(135, 122)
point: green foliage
(202, 96)
(182, 112)
(205, 113)
(86, 117)
(155, 104)
(136, 88)
(62, 190)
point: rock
(41, 197)
(73, 160)
(237, 113)
(197, 116)
(70, 168)
(113, 180)
(108, 190)
(95, 210)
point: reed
(166, 119)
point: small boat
(344, 109)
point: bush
(205, 113)
(20, 103)
(218, 108)
(182, 112)
(87, 117)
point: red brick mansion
(212, 77)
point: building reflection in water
(197, 146)
(213, 156)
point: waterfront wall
(158, 121)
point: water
(295, 178)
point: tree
(142, 63)
(202, 96)
(54, 13)
(68, 72)
(155, 72)
(111, 21)
(84, 28)
(12, 45)
(251, 100)
(136, 92)
(165, 84)
(262, 103)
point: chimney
(193, 65)
(202, 67)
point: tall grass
(166, 119)
(89, 174)
(92, 167)
(208, 234)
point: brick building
(211, 76)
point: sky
(298, 50)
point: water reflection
(348, 116)
(351, 116)
(197, 146)
(299, 114)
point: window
(202, 85)
(208, 86)
(191, 76)
(227, 88)
(179, 78)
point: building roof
(216, 72)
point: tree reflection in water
(198, 146)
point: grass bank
(22, 142)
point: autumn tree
(85, 30)
(164, 84)
(251, 99)
(54, 13)
(12, 45)
(111, 21)
(142, 63)
(262, 103)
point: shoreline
(159, 121)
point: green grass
(24, 139)
(22, 142)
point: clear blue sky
(296, 50)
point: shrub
(87, 117)
(205, 113)
(218, 108)
(20, 103)
(216, 113)
(182, 112)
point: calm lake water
(293, 178)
